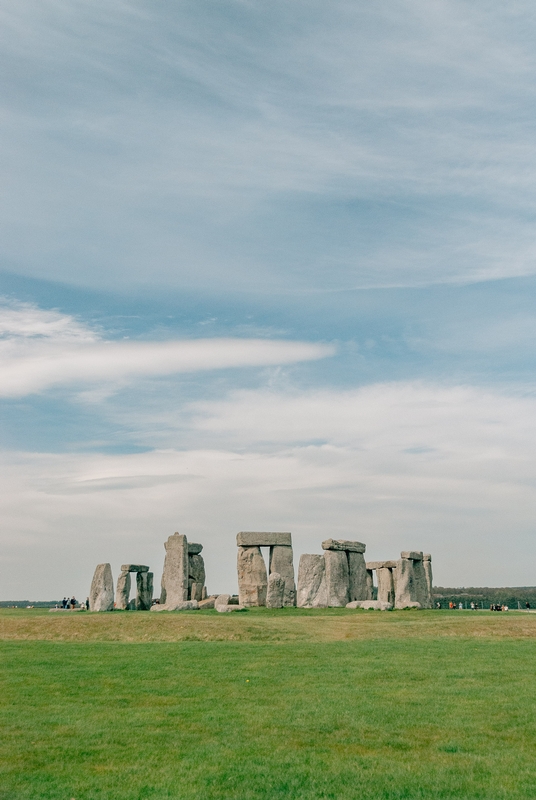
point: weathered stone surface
(194, 549)
(370, 584)
(204, 593)
(336, 578)
(263, 539)
(234, 600)
(252, 577)
(386, 588)
(405, 586)
(427, 563)
(195, 591)
(371, 605)
(276, 591)
(101, 594)
(344, 544)
(414, 555)
(421, 586)
(426, 557)
(134, 568)
(382, 564)
(358, 588)
(223, 606)
(132, 604)
(222, 600)
(144, 586)
(122, 591)
(185, 605)
(229, 608)
(312, 590)
(196, 576)
(281, 561)
(175, 574)
(207, 602)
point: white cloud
(41, 349)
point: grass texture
(289, 704)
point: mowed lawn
(327, 704)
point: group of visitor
(70, 605)
(498, 607)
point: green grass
(418, 715)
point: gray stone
(144, 586)
(195, 590)
(382, 564)
(358, 588)
(276, 591)
(101, 594)
(344, 544)
(413, 555)
(336, 578)
(370, 584)
(186, 605)
(207, 602)
(122, 591)
(196, 576)
(132, 604)
(371, 605)
(281, 561)
(426, 557)
(421, 585)
(427, 563)
(229, 608)
(263, 539)
(386, 589)
(134, 568)
(312, 590)
(175, 574)
(252, 577)
(222, 600)
(194, 549)
(405, 586)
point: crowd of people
(73, 603)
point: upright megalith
(312, 589)
(122, 592)
(427, 564)
(358, 585)
(196, 572)
(175, 574)
(101, 594)
(406, 589)
(252, 577)
(386, 588)
(337, 583)
(144, 586)
(275, 595)
(252, 574)
(281, 562)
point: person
(472, 606)
(527, 605)
(460, 606)
(73, 603)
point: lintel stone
(413, 555)
(343, 544)
(194, 549)
(134, 568)
(263, 539)
(382, 564)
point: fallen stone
(144, 586)
(101, 594)
(344, 544)
(222, 600)
(122, 592)
(382, 564)
(175, 574)
(276, 591)
(358, 588)
(386, 588)
(263, 539)
(208, 602)
(229, 608)
(371, 605)
(281, 561)
(414, 555)
(336, 578)
(134, 568)
(186, 605)
(312, 590)
(252, 577)
(194, 549)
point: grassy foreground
(290, 704)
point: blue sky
(266, 266)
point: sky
(266, 266)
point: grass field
(268, 704)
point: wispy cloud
(41, 349)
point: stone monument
(252, 574)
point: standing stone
(275, 596)
(370, 584)
(357, 577)
(252, 578)
(427, 563)
(122, 592)
(175, 574)
(336, 578)
(406, 595)
(144, 585)
(196, 575)
(312, 589)
(386, 589)
(281, 562)
(101, 594)
(421, 586)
